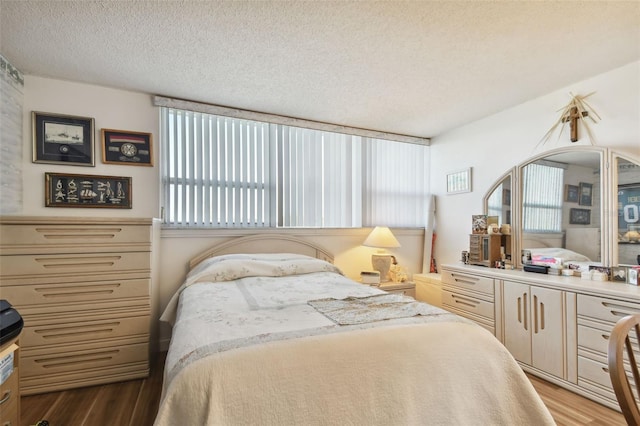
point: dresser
(9, 380)
(82, 286)
(557, 327)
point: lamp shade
(382, 237)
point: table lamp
(381, 237)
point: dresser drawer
(82, 331)
(468, 304)
(49, 238)
(55, 295)
(22, 266)
(593, 339)
(9, 398)
(82, 360)
(609, 310)
(468, 282)
(82, 378)
(596, 372)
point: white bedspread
(253, 351)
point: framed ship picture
(62, 139)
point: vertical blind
(542, 198)
(219, 171)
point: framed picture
(124, 147)
(579, 216)
(506, 197)
(571, 193)
(62, 139)
(585, 194)
(619, 274)
(459, 182)
(632, 276)
(73, 190)
(479, 224)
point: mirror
(561, 206)
(497, 203)
(628, 209)
(566, 204)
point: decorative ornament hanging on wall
(575, 112)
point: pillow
(244, 256)
(233, 267)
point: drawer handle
(5, 397)
(464, 301)
(620, 313)
(605, 369)
(465, 281)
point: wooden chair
(620, 342)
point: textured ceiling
(417, 68)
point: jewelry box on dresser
(82, 286)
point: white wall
(494, 144)
(111, 109)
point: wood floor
(135, 403)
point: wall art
(579, 216)
(125, 147)
(74, 190)
(585, 192)
(62, 139)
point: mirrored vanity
(578, 206)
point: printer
(10, 322)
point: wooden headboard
(264, 243)
(539, 240)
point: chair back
(621, 344)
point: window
(220, 171)
(542, 198)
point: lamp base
(382, 264)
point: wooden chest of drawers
(82, 286)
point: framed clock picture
(125, 147)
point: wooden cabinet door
(547, 330)
(517, 321)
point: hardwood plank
(36, 407)
(148, 401)
(570, 409)
(115, 402)
(73, 406)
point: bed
(576, 248)
(266, 330)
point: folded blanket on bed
(380, 307)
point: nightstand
(407, 288)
